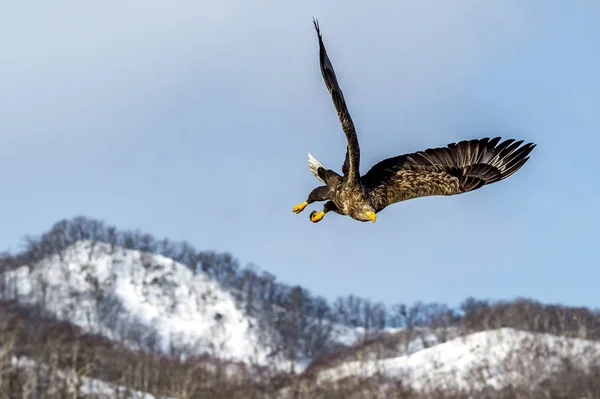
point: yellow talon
(316, 216)
(300, 207)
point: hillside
(293, 324)
(69, 383)
(60, 359)
(42, 357)
(164, 318)
(146, 301)
(153, 303)
(489, 359)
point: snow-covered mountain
(140, 299)
(494, 358)
(151, 302)
(148, 301)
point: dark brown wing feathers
(454, 169)
(351, 163)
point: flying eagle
(457, 168)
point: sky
(192, 120)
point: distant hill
(488, 359)
(145, 301)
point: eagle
(458, 168)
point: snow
(89, 386)
(157, 292)
(349, 336)
(101, 288)
(101, 389)
(488, 358)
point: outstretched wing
(454, 169)
(351, 164)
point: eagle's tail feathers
(314, 166)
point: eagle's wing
(351, 163)
(454, 169)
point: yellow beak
(371, 216)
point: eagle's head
(364, 213)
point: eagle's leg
(317, 216)
(318, 194)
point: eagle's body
(457, 168)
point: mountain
(154, 303)
(488, 359)
(150, 302)
(168, 320)
(146, 301)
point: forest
(302, 322)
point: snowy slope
(495, 358)
(107, 293)
(349, 336)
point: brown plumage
(454, 169)
(457, 168)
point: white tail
(314, 166)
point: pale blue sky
(193, 119)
